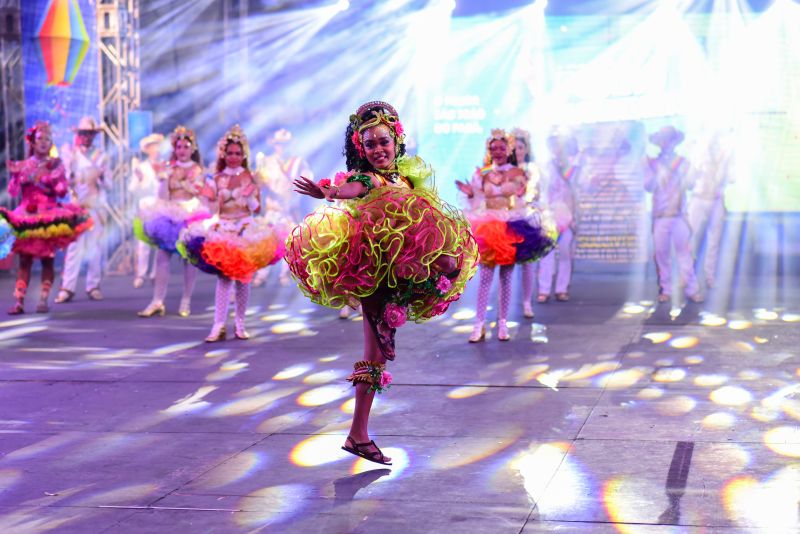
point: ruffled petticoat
(160, 225)
(43, 228)
(235, 249)
(392, 240)
(282, 225)
(506, 237)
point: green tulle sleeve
(419, 173)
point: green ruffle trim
(363, 179)
(138, 231)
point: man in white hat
(143, 186)
(86, 173)
(276, 172)
(668, 178)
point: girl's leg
(506, 272)
(156, 305)
(21, 286)
(221, 302)
(242, 296)
(484, 287)
(189, 279)
(527, 289)
(48, 277)
(373, 354)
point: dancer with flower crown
(178, 206)
(233, 244)
(508, 230)
(41, 223)
(392, 246)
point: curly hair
(353, 159)
(221, 159)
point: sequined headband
(182, 132)
(390, 119)
(234, 135)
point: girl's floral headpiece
(498, 134)
(385, 114)
(182, 132)
(234, 135)
(38, 126)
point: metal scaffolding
(12, 111)
(120, 93)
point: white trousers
(89, 247)
(707, 219)
(547, 265)
(669, 232)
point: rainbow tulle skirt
(42, 229)
(234, 249)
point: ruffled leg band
(375, 375)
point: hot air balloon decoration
(62, 41)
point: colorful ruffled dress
(509, 236)
(389, 241)
(42, 225)
(234, 248)
(160, 225)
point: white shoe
(185, 308)
(527, 310)
(478, 333)
(502, 331)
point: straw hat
(152, 139)
(87, 124)
(666, 136)
(281, 136)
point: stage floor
(600, 415)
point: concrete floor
(604, 414)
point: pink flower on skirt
(443, 284)
(394, 315)
(386, 379)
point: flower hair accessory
(382, 113)
(38, 126)
(234, 135)
(182, 132)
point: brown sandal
(373, 456)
